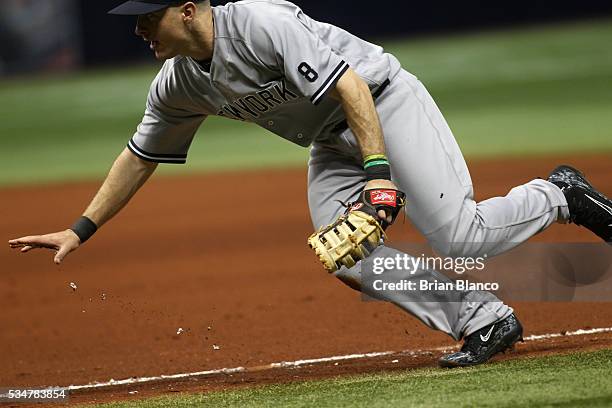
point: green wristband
(378, 162)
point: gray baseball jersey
(272, 65)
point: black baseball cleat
(587, 206)
(480, 346)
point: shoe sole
(507, 342)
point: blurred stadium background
(512, 78)
(43, 35)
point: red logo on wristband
(383, 197)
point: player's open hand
(62, 243)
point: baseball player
(376, 136)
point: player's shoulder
(261, 7)
(166, 87)
(172, 68)
(245, 14)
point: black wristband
(84, 228)
(378, 172)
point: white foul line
(574, 333)
(284, 364)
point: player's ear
(188, 11)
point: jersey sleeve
(166, 131)
(289, 41)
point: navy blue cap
(141, 7)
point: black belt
(342, 126)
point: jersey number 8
(307, 72)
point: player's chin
(162, 55)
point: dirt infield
(210, 255)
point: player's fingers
(385, 215)
(16, 243)
(58, 258)
(61, 254)
(27, 240)
(382, 214)
(27, 248)
(36, 242)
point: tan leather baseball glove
(356, 233)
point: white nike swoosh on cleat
(605, 207)
(486, 338)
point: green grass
(574, 380)
(512, 92)
(72, 128)
(521, 91)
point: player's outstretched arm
(125, 178)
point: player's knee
(454, 241)
(449, 246)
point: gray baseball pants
(427, 164)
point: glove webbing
(347, 241)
